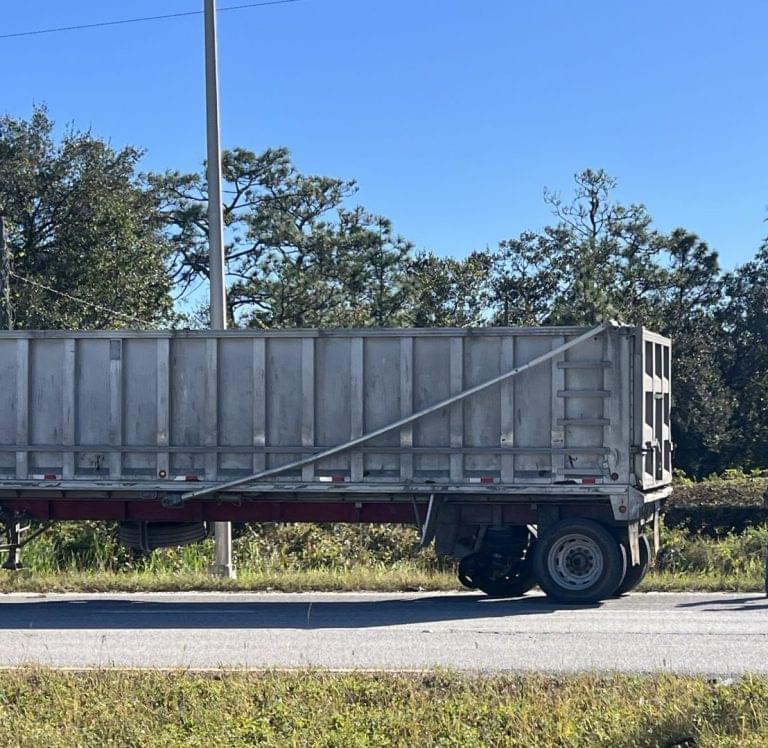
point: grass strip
(401, 579)
(702, 581)
(319, 580)
(311, 708)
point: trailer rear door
(653, 379)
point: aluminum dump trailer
(532, 455)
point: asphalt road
(716, 634)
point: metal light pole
(5, 276)
(13, 560)
(222, 530)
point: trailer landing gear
(16, 538)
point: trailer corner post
(218, 311)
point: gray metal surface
(131, 407)
(720, 634)
(446, 404)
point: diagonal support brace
(352, 443)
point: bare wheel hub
(575, 561)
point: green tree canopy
(601, 260)
(85, 239)
(296, 254)
(446, 291)
(598, 260)
(745, 320)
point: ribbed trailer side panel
(155, 406)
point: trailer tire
(515, 586)
(476, 573)
(578, 561)
(635, 574)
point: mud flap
(633, 536)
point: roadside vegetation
(55, 708)
(713, 539)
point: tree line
(94, 243)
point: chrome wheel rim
(575, 562)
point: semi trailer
(532, 455)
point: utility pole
(12, 529)
(5, 276)
(222, 530)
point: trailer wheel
(635, 574)
(578, 561)
(478, 571)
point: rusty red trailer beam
(152, 510)
(196, 511)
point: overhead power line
(143, 19)
(82, 302)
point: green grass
(309, 708)
(700, 581)
(292, 558)
(324, 580)
(87, 557)
(403, 577)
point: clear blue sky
(452, 114)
